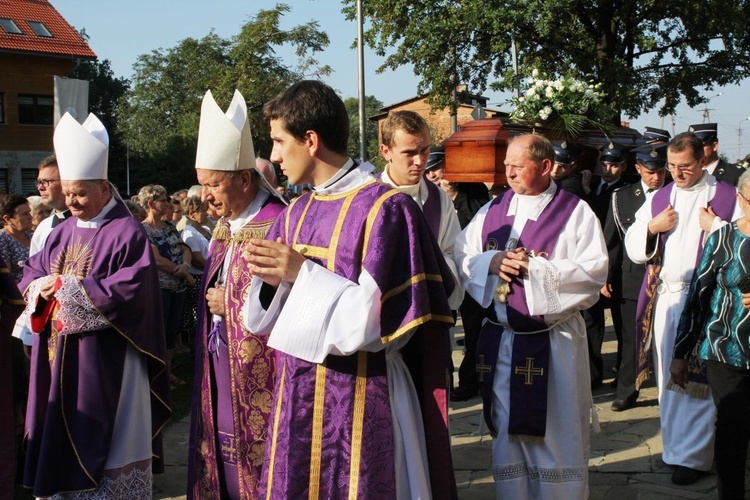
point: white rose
(550, 91)
(531, 91)
(534, 72)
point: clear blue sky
(121, 31)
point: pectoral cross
(482, 368)
(529, 371)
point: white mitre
(224, 140)
(81, 149)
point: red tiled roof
(65, 42)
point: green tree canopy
(645, 53)
(372, 107)
(159, 116)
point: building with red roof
(36, 43)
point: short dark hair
(684, 141)
(406, 120)
(312, 105)
(49, 161)
(10, 202)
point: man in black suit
(613, 165)
(709, 134)
(564, 169)
(625, 278)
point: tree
(159, 117)
(372, 107)
(645, 53)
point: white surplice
(558, 287)
(324, 313)
(687, 422)
(447, 234)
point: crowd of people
(320, 323)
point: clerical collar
(412, 190)
(533, 204)
(94, 222)
(702, 183)
(251, 211)
(345, 168)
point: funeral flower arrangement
(567, 106)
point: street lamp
(739, 137)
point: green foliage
(644, 53)
(372, 107)
(159, 117)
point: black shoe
(685, 475)
(625, 404)
(463, 393)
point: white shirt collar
(94, 222)
(532, 204)
(338, 175)
(251, 211)
(417, 191)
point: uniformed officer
(564, 170)
(625, 278)
(709, 134)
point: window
(2, 108)
(40, 29)
(28, 181)
(9, 26)
(35, 109)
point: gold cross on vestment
(482, 368)
(529, 371)
(229, 450)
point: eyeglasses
(681, 168)
(45, 182)
(747, 200)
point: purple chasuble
(431, 209)
(234, 373)
(530, 357)
(11, 306)
(70, 418)
(723, 205)
(331, 433)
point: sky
(121, 31)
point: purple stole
(723, 205)
(331, 431)
(233, 376)
(530, 357)
(431, 209)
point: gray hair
(150, 193)
(744, 182)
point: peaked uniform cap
(436, 158)
(613, 153)
(82, 150)
(707, 132)
(656, 135)
(652, 156)
(224, 139)
(565, 152)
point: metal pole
(127, 166)
(361, 75)
(514, 56)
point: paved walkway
(625, 458)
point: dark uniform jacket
(624, 276)
(599, 203)
(728, 172)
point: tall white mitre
(224, 139)
(82, 150)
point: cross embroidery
(482, 368)
(529, 371)
(228, 448)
